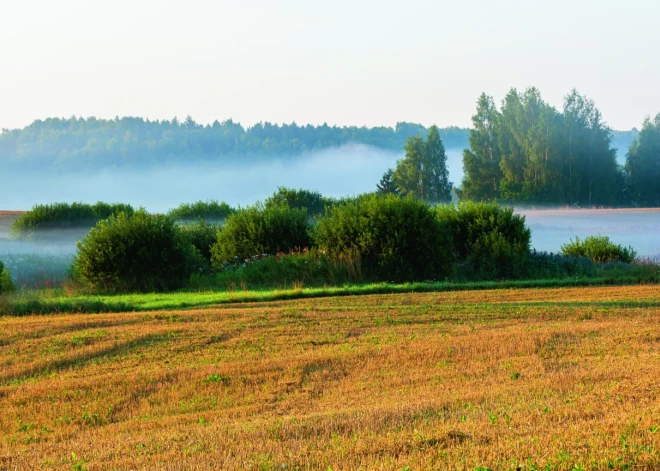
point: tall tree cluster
(530, 152)
(643, 165)
(422, 173)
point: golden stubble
(554, 378)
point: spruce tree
(387, 185)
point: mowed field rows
(510, 379)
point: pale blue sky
(342, 62)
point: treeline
(529, 152)
(77, 143)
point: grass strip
(46, 302)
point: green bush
(312, 201)
(490, 241)
(135, 252)
(201, 235)
(207, 210)
(395, 239)
(6, 285)
(260, 230)
(599, 249)
(45, 217)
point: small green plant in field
(216, 378)
(599, 249)
(78, 464)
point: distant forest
(79, 143)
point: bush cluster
(367, 238)
(598, 249)
(260, 230)
(395, 239)
(135, 252)
(311, 201)
(44, 217)
(490, 241)
(206, 210)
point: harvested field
(556, 379)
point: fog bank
(637, 228)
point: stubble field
(508, 379)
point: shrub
(44, 217)
(599, 249)
(207, 210)
(257, 230)
(135, 252)
(6, 285)
(312, 201)
(395, 239)
(490, 241)
(201, 235)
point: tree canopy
(643, 165)
(528, 151)
(422, 172)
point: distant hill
(91, 143)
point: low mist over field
(636, 228)
(335, 172)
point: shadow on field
(83, 359)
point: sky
(342, 62)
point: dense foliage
(311, 201)
(6, 285)
(135, 252)
(394, 239)
(490, 241)
(64, 216)
(259, 229)
(201, 235)
(422, 173)
(598, 249)
(78, 143)
(206, 210)
(530, 152)
(643, 165)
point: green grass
(53, 301)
